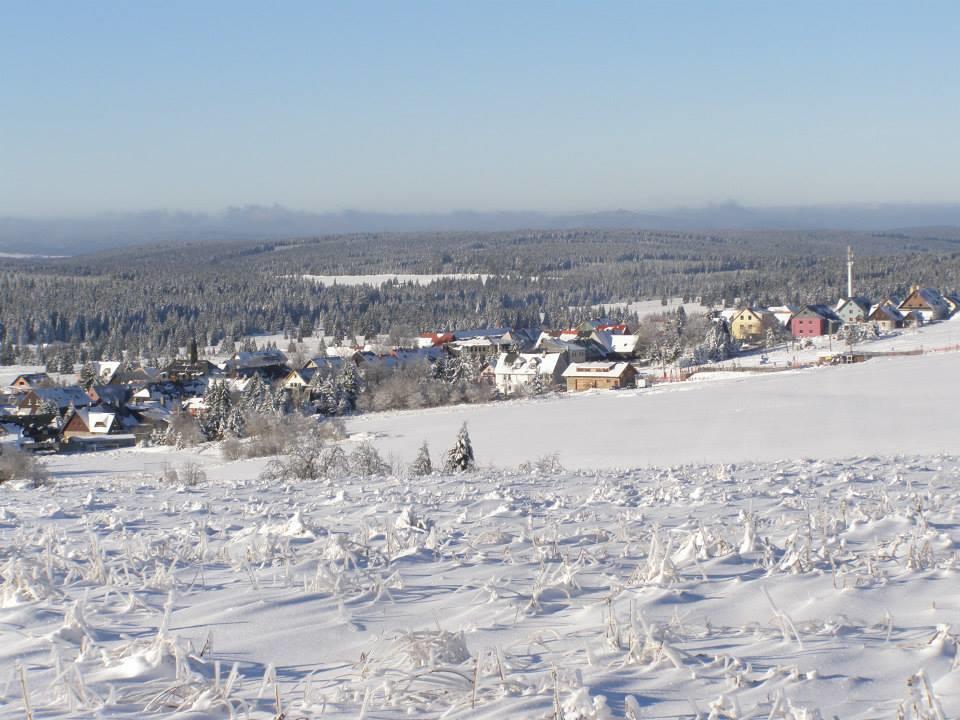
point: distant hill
(71, 236)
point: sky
(494, 105)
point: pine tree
(422, 465)
(88, 376)
(460, 456)
(536, 384)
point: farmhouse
(591, 375)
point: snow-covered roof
(623, 343)
(596, 369)
(526, 363)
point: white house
(514, 372)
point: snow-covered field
(763, 590)
(725, 576)
(383, 279)
(887, 405)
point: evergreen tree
(422, 465)
(216, 414)
(88, 376)
(460, 456)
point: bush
(366, 461)
(18, 465)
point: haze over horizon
(429, 107)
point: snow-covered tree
(88, 376)
(460, 456)
(422, 465)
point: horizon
(432, 108)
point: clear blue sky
(432, 106)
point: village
(125, 403)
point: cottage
(814, 321)
(591, 375)
(926, 302)
(515, 372)
(95, 428)
(752, 324)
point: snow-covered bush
(422, 465)
(18, 465)
(366, 461)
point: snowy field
(378, 280)
(756, 590)
(785, 547)
(886, 405)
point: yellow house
(751, 324)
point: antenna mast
(849, 272)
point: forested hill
(150, 300)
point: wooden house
(886, 317)
(926, 302)
(592, 375)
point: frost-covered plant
(422, 465)
(365, 461)
(460, 456)
(18, 465)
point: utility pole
(849, 272)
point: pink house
(813, 321)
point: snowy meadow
(791, 589)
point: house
(182, 371)
(61, 397)
(886, 317)
(926, 302)
(107, 372)
(115, 395)
(515, 372)
(268, 364)
(429, 339)
(326, 362)
(96, 427)
(783, 313)
(814, 321)
(624, 347)
(853, 309)
(590, 375)
(480, 346)
(752, 324)
(953, 302)
(28, 381)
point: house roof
(527, 363)
(885, 312)
(63, 396)
(33, 379)
(596, 369)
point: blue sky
(434, 106)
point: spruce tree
(422, 465)
(88, 376)
(460, 456)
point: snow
(723, 576)
(885, 405)
(383, 279)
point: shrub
(18, 465)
